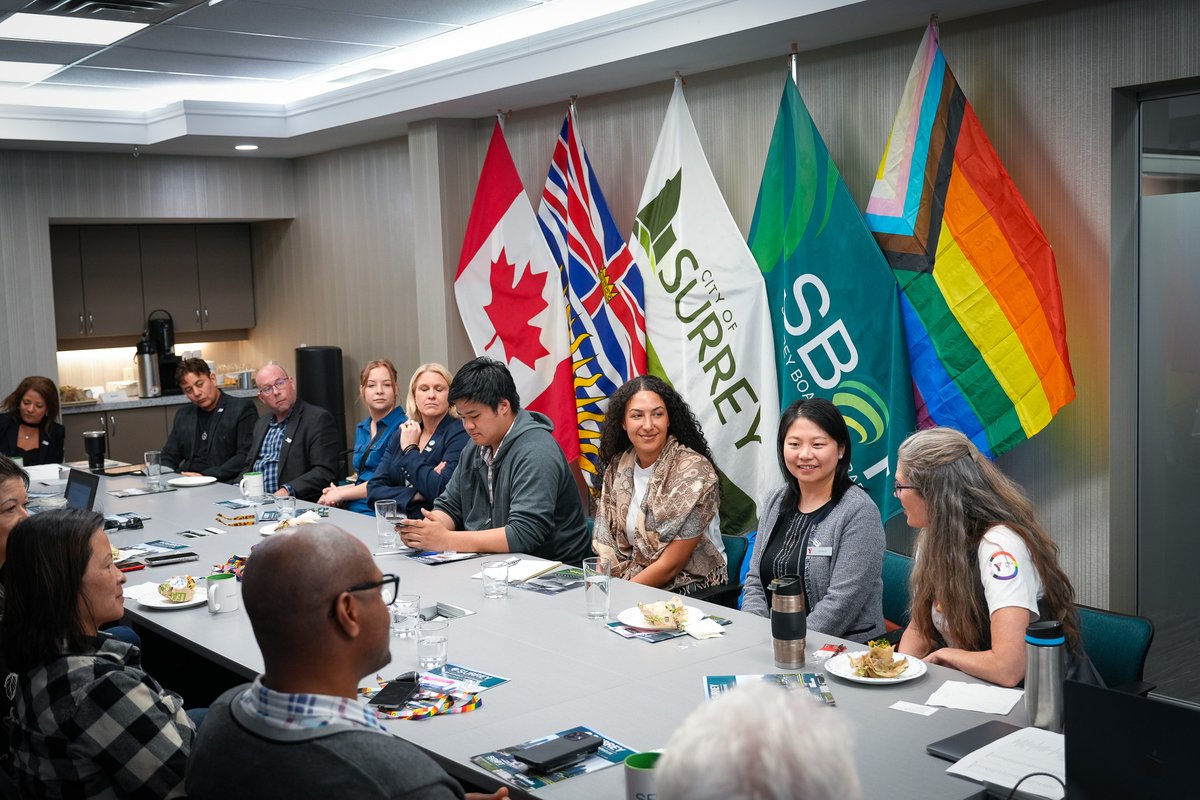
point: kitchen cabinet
(201, 274)
(108, 278)
(131, 432)
(97, 278)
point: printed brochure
(506, 768)
(814, 682)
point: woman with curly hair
(28, 423)
(658, 520)
(984, 566)
(822, 527)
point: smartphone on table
(558, 753)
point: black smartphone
(560, 752)
(398, 691)
(169, 558)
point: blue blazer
(400, 476)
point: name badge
(821, 551)
(289, 441)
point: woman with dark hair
(88, 722)
(14, 507)
(657, 520)
(821, 527)
(985, 568)
(28, 423)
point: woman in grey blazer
(821, 526)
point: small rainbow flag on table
(980, 298)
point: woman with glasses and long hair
(822, 527)
(378, 391)
(658, 519)
(984, 569)
(88, 721)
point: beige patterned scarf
(682, 498)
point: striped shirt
(268, 454)
(300, 711)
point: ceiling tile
(132, 79)
(197, 64)
(180, 39)
(45, 52)
(251, 16)
(449, 12)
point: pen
(132, 568)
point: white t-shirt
(1008, 575)
(641, 483)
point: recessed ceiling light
(245, 147)
(49, 28)
(26, 71)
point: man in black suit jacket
(212, 435)
(295, 445)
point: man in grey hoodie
(513, 491)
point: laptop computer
(81, 490)
(1121, 745)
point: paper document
(43, 472)
(975, 697)
(1002, 763)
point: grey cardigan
(846, 589)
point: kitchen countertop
(147, 402)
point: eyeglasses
(388, 586)
(899, 487)
(272, 388)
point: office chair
(1118, 645)
(729, 593)
(896, 600)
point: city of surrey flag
(605, 297)
(510, 297)
(708, 330)
(983, 313)
(835, 308)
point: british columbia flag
(603, 287)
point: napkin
(704, 628)
(138, 591)
(975, 697)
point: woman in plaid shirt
(89, 722)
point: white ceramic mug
(639, 776)
(223, 593)
(251, 485)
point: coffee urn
(147, 369)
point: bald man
(318, 607)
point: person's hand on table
(426, 534)
(282, 493)
(410, 434)
(330, 496)
(500, 793)
(192, 474)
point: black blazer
(228, 441)
(50, 445)
(309, 454)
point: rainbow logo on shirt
(1003, 565)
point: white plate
(307, 518)
(191, 480)
(157, 601)
(840, 666)
(634, 619)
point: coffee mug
(223, 593)
(251, 485)
(639, 776)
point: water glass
(596, 574)
(387, 517)
(431, 644)
(287, 507)
(495, 579)
(406, 615)
(153, 460)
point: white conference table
(564, 669)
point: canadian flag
(510, 295)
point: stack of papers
(1004, 762)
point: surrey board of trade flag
(510, 294)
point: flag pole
(792, 62)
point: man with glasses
(318, 606)
(212, 435)
(295, 444)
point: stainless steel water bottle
(789, 621)
(1045, 666)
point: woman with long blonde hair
(424, 454)
(985, 568)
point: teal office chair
(727, 594)
(896, 601)
(1118, 645)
